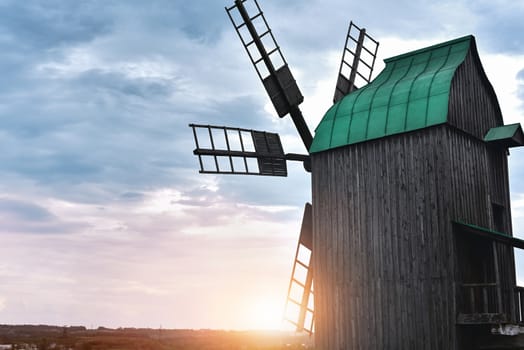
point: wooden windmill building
(412, 237)
(410, 225)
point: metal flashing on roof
(506, 135)
(490, 234)
(411, 93)
(429, 48)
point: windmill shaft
(300, 124)
(356, 59)
(297, 157)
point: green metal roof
(507, 135)
(411, 93)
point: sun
(267, 314)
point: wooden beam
(485, 318)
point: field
(79, 338)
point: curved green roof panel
(411, 93)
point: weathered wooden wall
(474, 108)
(473, 105)
(384, 253)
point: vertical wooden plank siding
(473, 105)
(384, 247)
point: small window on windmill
(498, 217)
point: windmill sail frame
(240, 151)
(278, 82)
(353, 59)
(304, 320)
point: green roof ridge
(429, 48)
(411, 93)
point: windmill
(228, 150)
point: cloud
(136, 255)
(110, 113)
(516, 170)
(518, 206)
(500, 26)
(23, 210)
(18, 216)
(520, 87)
(41, 26)
(132, 196)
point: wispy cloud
(163, 248)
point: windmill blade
(269, 63)
(226, 150)
(358, 60)
(300, 296)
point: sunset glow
(267, 314)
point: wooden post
(497, 278)
(485, 308)
(472, 299)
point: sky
(104, 219)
